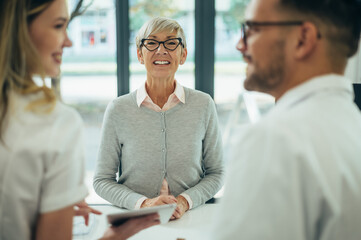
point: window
(229, 66)
(88, 79)
(235, 105)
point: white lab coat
(296, 174)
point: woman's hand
(82, 209)
(131, 227)
(182, 207)
(161, 200)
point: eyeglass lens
(170, 44)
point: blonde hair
(157, 25)
(19, 59)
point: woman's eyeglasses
(170, 44)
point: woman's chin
(53, 73)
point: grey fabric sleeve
(212, 163)
(109, 159)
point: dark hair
(345, 15)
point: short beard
(269, 79)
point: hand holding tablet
(164, 212)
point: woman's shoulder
(121, 108)
(62, 124)
(196, 95)
(125, 100)
(46, 114)
(66, 113)
(51, 124)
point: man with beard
(296, 174)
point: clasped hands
(182, 204)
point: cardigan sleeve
(212, 163)
(110, 153)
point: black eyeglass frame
(161, 42)
(248, 24)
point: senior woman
(163, 139)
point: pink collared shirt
(176, 97)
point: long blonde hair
(19, 58)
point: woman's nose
(161, 49)
(67, 41)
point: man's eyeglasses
(248, 25)
(170, 44)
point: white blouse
(41, 165)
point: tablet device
(164, 212)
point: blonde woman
(41, 151)
(163, 139)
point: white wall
(353, 70)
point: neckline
(175, 108)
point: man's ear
(140, 57)
(307, 40)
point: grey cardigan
(182, 145)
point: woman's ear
(307, 40)
(140, 57)
(183, 56)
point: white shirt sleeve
(63, 183)
(262, 191)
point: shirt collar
(141, 94)
(178, 92)
(329, 82)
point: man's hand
(182, 207)
(131, 227)
(82, 209)
(161, 200)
